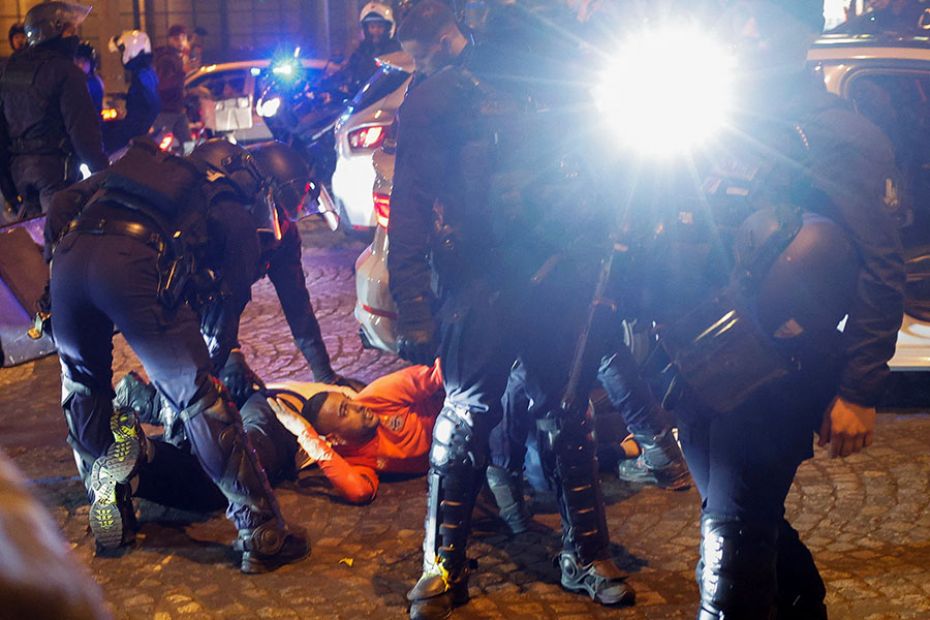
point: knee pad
(456, 444)
(737, 572)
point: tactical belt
(126, 228)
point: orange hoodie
(407, 403)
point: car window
(899, 103)
(223, 84)
(384, 82)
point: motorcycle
(301, 110)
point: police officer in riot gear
(281, 258)
(48, 123)
(146, 242)
(511, 286)
(821, 242)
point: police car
(886, 78)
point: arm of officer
(66, 205)
(854, 170)
(240, 256)
(419, 167)
(82, 121)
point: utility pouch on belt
(722, 353)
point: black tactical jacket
(45, 107)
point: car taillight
(109, 114)
(166, 142)
(382, 209)
(367, 138)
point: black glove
(417, 344)
(239, 378)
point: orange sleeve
(405, 387)
(356, 483)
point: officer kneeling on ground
(48, 123)
(818, 242)
(132, 258)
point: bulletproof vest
(33, 118)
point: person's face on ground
(342, 417)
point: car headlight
(667, 91)
(267, 108)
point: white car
(360, 132)
(229, 93)
(374, 309)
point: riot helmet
(377, 12)
(130, 44)
(49, 20)
(253, 184)
(293, 186)
(17, 37)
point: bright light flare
(667, 91)
(268, 108)
(84, 169)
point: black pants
(484, 331)
(743, 464)
(627, 391)
(102, 281)
(175, 478)
(38, 178)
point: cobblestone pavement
(866, 518)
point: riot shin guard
(736, 574)
(455, 477)
(569, 456)
(215, 430)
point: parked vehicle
(360, 132)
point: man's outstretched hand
(847, 427)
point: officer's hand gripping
(848, 427)
(239, 378)
(417, 343)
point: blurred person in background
(376, 21)
(170, 69)
(142, 101)
(86, 61)
(17, 37)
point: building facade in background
(236, 29)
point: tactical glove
(239, 378)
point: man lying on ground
(385, 428)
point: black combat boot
(270, 546)
(454, 481)
(507, 488)
(112, 516)
(585, 561)
(736, 574)
(660, 462)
